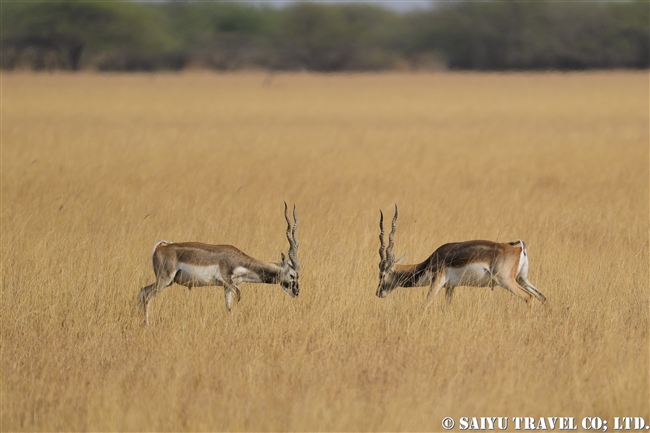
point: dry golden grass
(97, 168)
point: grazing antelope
(193, 264)
(472, 263)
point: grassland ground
(97, 168)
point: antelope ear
(401, 259)
(284, 259)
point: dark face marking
(387, 283)
(291, 284)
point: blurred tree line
(172, 35)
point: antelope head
(291, 266)
(388, 280)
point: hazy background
(342, 36)
(399, 6)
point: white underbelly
(475, 275)
(195, 276)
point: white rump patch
(523, 262)
(156, 246)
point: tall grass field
(97, 168)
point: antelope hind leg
(150, 292)
(511, 285)
(531, 289)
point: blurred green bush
(175, 35)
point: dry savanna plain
(97, 167)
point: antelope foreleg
(449, 292)
(228, 295)
(229, 289)
(437, 284)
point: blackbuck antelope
(193, 264)
(472, 263)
